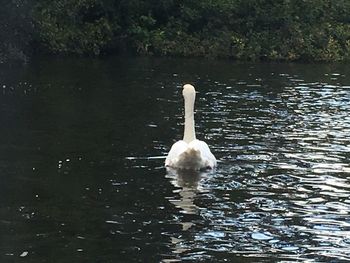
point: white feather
(190, 153)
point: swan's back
(195, 155)
(190, 153)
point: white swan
(190, 153)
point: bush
(313, 30)
(16, 30)
(74, 26)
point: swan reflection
(187, 183)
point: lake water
(82, 146)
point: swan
(190, 153)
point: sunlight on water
(283, 186)
(83, 144)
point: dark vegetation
(308, 30)
(16, 30)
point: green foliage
(317, 30)
(74, 26)
(15, 30)
(314, 30)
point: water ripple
(283, 185)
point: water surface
(82, 143)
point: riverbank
(283, 30)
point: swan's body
(190, 153)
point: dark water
(82, 178)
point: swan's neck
(189, 132)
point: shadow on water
(82, 176)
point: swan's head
(188, 91)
